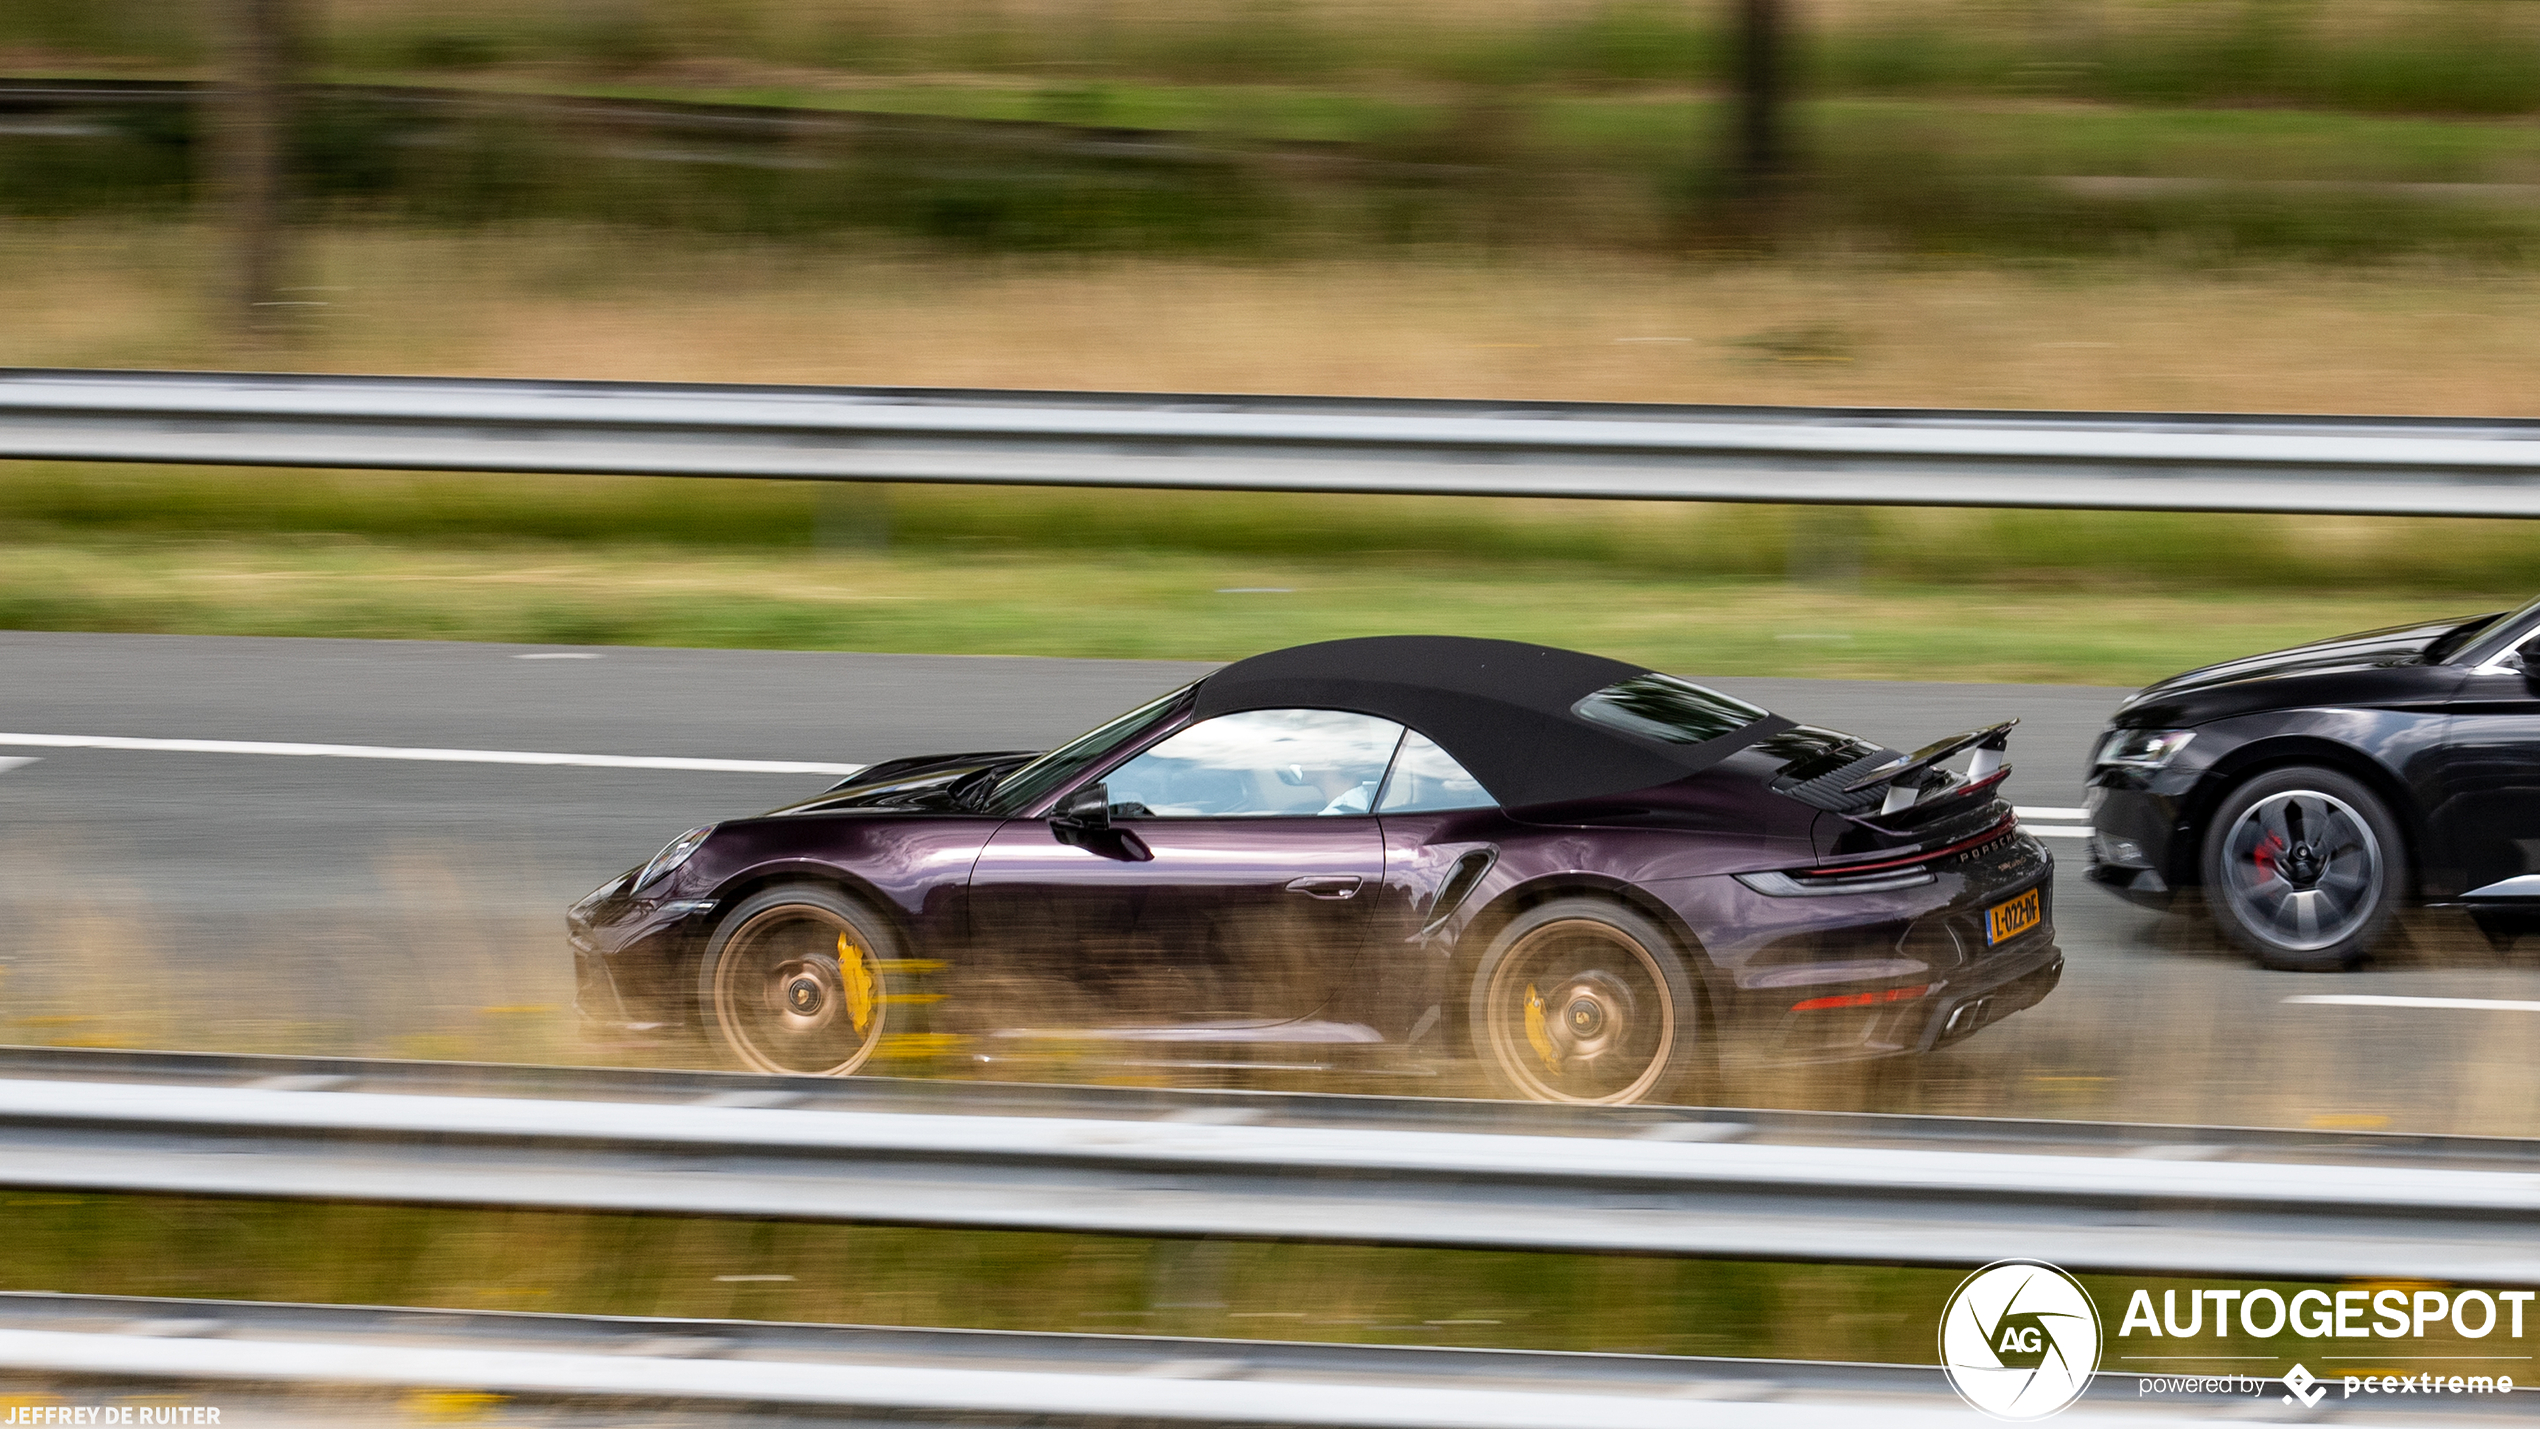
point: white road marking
(2366, 999)
(2057, 831)
(19, 762)
(2054, 815)
(424, 756)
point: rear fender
(1475, 938)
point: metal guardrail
(836, 1374)
(2386, 465)
(1686, 1182)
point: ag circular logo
(2020, 1340)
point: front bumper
(631, 960)
(2142, 848)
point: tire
(1584, 1001)
(777, 993)
(2304, 868)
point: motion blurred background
(2232, 205)
(2287, 205)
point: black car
(1363, 853)
(2310, 793)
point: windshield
(1037, 780)
(2455, 641)
(1664, 707)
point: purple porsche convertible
(1386, 853)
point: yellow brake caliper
(859, 983)
(1535, 1033)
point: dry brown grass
(434, 961)
(728, 17)
(447, 959)
(1841, 331)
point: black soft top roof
(1500, 707)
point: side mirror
(1087, 808)
(2529, 654)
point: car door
(1230, 893)
(2486, 822)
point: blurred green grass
(1932, 127)
(1677, 540)
(619, 1264)
(2422, 56)
(1917, 174)
(2107, 598)
(588, 1264)
(2004, 134)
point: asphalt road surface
(189, 896)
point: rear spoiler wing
(1909, 776)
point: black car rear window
(1664, 707)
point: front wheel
(1579, 1000)
(799, 980)
(2304, 867)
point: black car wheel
(1580, 1000)
(2304, 867)
(799, 980)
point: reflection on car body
(1380, 853)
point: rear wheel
(800, 980)
(2304, 867)
(1584, 1001)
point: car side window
(1259, 764)
(1426, 778)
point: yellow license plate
(2005, 921)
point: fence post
(249, 154)
(1761, 145)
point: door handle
(1326, 885)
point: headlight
(2141, 748)
(672, 855)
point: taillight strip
(1860, 999)
(2009, 822)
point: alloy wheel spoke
(2304, 906)
(2268, 893)
(2301, 869)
